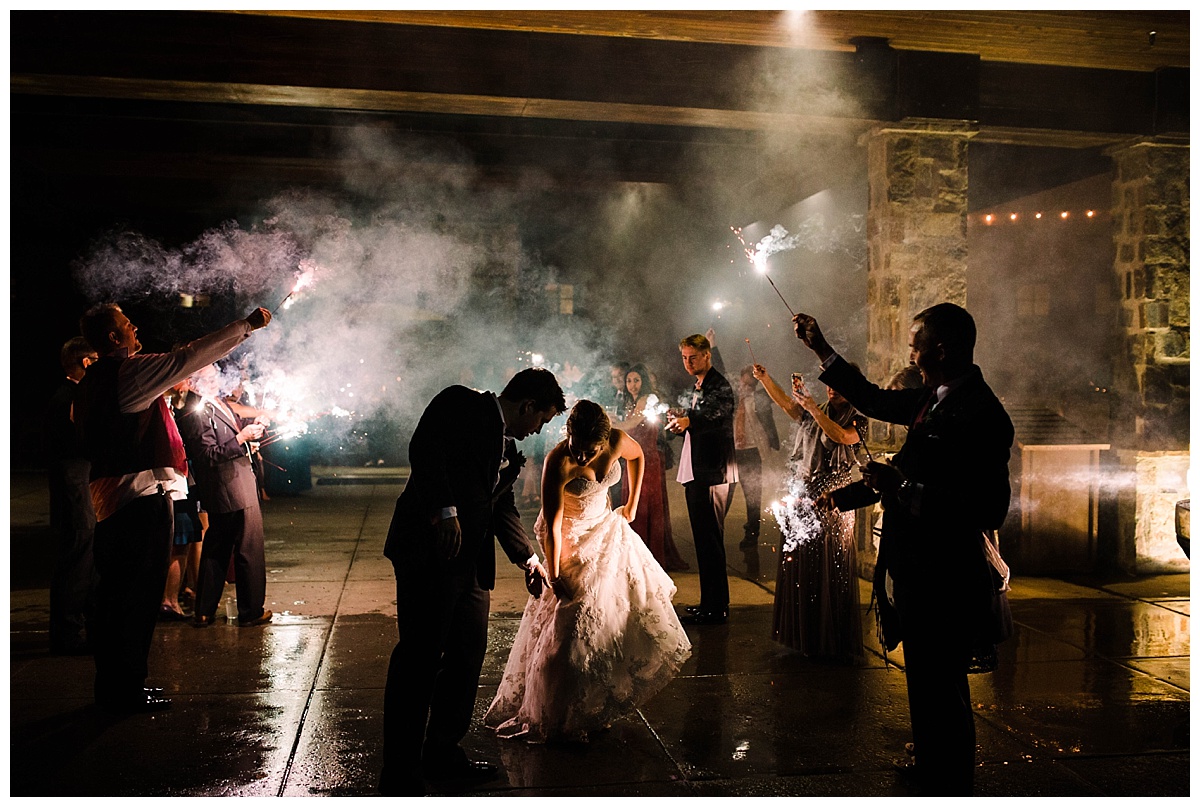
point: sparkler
(307, 271)
(861, 427)
(654, 408)
(777, 241)
(751, 350)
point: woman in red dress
(653, 521)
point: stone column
(917, 253)
(916, 235)
(1151, 206)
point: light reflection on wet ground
(1092, 696)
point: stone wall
(1151, 374)
(917, 235)
(1151, 208)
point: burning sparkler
(796, 515)
(305, 279)
(777, 240)
(654, 408)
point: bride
(608, 638)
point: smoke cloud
(421, 272)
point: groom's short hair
(696, 340)
(536, 384)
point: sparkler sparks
(305, 279)
(777, 240)
(654, 408)
(796, 516)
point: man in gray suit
(216, 440)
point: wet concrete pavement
(1092, 696)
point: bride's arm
(553, 481)
(629, 450)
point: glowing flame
(307, 276)
(654, 408)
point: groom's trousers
(707, 505)
(433, 676)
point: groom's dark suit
(442, 605)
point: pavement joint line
(312, 691)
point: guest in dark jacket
(217, 443)
(946, 488)
(708, 471)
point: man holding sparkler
(217, 442)
(136, 454)
(707, 470)
(942, 493)
(459, 496)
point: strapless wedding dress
(577, 665)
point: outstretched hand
(258, 318)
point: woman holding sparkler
(607, 638)
(816, 587)
(643, 423)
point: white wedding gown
(577, 665)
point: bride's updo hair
(588, 423)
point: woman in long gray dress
(816, 588)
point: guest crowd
(155, 489)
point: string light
(1037, 215)
(1064, 214)
(1012, 216)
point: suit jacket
(959, 452)
(221, 467)
(455, 456)
(711, 431)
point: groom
(459, 495)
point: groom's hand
(535, 577)
(449, 537)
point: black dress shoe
(692, 609)
(706, 618)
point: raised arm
(781, 398)
(845, 435)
